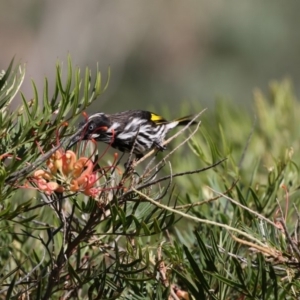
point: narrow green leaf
(240, 274)
(209, 258)
(56, 91)
(86, 87)
(58, 79)
(35, 100)
(145, 229)
(74, 275)
(27, 110)
(75, 103)
(11, 287)
(4, 79)
(107, 81)
(215, 153)
(244, 213)
(69, 76)
(256, 200)
(47, 108)
(156, 227)
(198, 294)
(237, 286)
(201, 281)
(26, 220)
(273, 278)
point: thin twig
(205, 221)
(208, 200)
(37, 222)
(28, 169)
(28, 274)
(297, 224)
(244, 207)
(292, 244)
(152, 177)
(166, 189)
(162, 267)
(178, 175)
(25, 171)
(147, 169)
(265, 249)
(147, 184)
(279, 209)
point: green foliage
(216, 220)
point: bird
(132, 130)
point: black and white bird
(133, 130)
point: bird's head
(95, 127)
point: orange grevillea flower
(66, 173)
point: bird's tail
(185, 120)
(181, 122)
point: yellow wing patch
(157, 119)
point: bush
(215, 220)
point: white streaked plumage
(143, 129)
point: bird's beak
(74, 140)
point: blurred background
(159, 52)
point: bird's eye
(91, 127)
